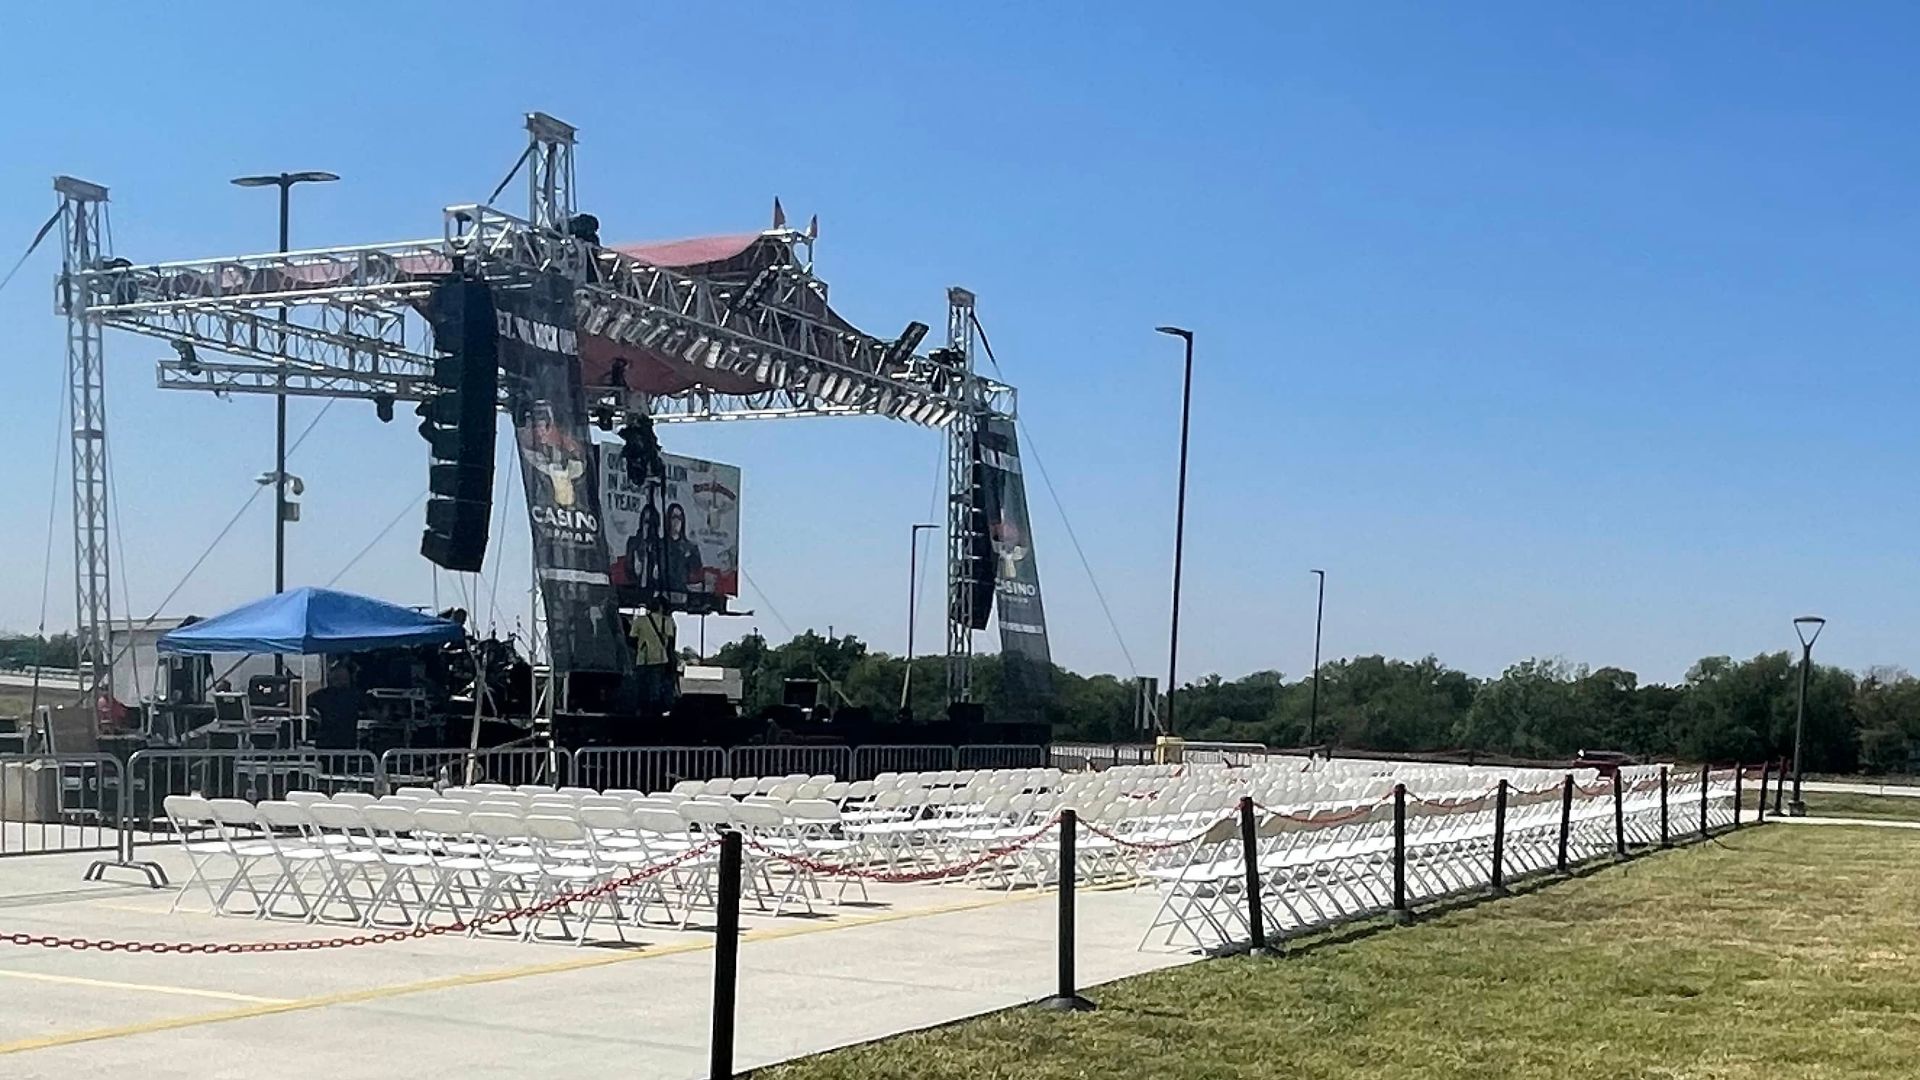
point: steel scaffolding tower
(83, 232)
(962, 501)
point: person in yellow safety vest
(653, 639)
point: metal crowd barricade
(646, 768)
(787, 760)
(52, 803)
(152, 775)
(871, 761)
(453, 766)
(1080, 757)
(1238, 755)
(1001, 756)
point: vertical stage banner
(1025, 658)
(539, 352)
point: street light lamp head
(310, 176)
(1175, 331)
(1801, 625)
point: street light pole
(1179, 522)
(913, 592)
(284, 181)
(1319, 614)
(1801, 627)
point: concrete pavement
(917, 956)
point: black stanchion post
(1566, 819)
(1760, 808)
(1779, 786)
(1400, 912)
(1066, 996)
(726, 955)
(1739, 773)
(1666, 840)
(1499, 876)
(1619, 817)
(1250, 852)
(1706, 778)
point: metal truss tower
(550, 209)
(962, 499)
(83, 219)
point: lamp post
(1807, 628)
(913, 591)
(1179, 522)
(1319, 614)
(285, 182)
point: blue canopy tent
(310, 621)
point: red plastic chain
(1140, 845)
(936, 873)
(1337, 819)
(380, 938)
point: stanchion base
(1797, 808)
(1400, 916)
(1267, 952)
(1066, 1003)
(1498, 890)
(156, 877)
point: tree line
(34, 650)
(1723, 710)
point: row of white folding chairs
(475, 867)
(388, 834)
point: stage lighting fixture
(584, 227)
(782, 373)
(383, 407)
(189, 360)
(903, 346)
(814, 382)
(656, 334)
(848, 392)
(614, 327)
(763, 369)
(756, 291)
(595, 320)
(884, 402)
(691, 354)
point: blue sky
(1547, 329)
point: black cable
(46, 564)
(984, 343)
(1033, 451)
(377, 537)
(764, 599)
(37, 237)
(511, 173)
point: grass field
(1872, 807)
(1772, 953)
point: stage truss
(351, 330)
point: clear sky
(1578, 330)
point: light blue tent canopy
(309, 621)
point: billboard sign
(675, 539)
